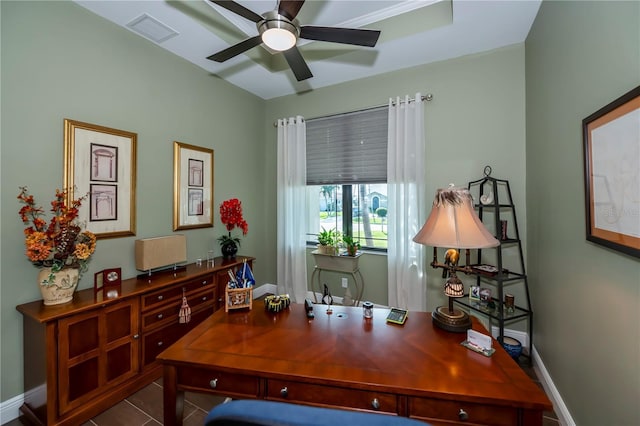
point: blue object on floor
(268, 413)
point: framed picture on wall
(611, 139)
(192, 186)
(101, 162)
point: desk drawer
(477, 414)
(169, 313)
(162, 296)
(230, 384)
(283, 390)
(157, 341)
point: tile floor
(144, 408)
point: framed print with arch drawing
(101, 162)
(192, 186)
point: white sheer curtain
(406, 202)
(291, 200)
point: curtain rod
(428, 97)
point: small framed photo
(485, 295)
(474, 292)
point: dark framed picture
(611, 139)
(196, 207)
(104, 163)
(196, 169)
(101, 162)
(103, 202)
(192, 186)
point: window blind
(348, 148)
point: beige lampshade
(454, 223)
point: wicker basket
(238, 298)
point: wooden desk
(342, 360)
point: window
(347, 175)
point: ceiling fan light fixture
(277, 32)
(278, 39)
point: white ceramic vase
(59, 287)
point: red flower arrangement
(61, 243)
(231, 216)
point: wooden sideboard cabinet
(82, 357)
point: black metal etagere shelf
(498, 215)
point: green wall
(61, 61)
(579, 57)
(477, 117)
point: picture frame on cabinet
(100, 162)
(192, 186)
(611, 138)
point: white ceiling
(414, 32)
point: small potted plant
(327, 241)
(231, 217)
(352, 245)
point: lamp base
(456, 321)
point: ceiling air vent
(151, 28)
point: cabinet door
(97, 350)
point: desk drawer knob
(160, 297)
(463, 415)
(204, 282)
(160, 343)
(136, 336)
(160, 316)
(213, 383)
(375, 404)
(284, 392)
(204, 298)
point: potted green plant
(327, 241)
(352, 245)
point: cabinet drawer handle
(160, 297)
(463, 415)
(160, 343)
(160, 316)
(284, 392)
(375, 404)
(213, 383)
(204, 282)
(136, 336)
(204, 298)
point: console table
(337, 263)
(343, 360)
(82, 357)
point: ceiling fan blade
(236, 49)
(359, 37)
(238, 9)
(297, 64)
(290, 8)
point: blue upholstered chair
(268, 413)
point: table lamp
(453, 224)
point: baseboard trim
(264, 289)
(10, 409)
(561, 410)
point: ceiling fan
(280, 30)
